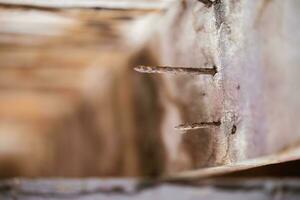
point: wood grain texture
(244, 39)
(65, 92)
(58, 189)
(112, 4)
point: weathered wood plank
(253, 93)
(132, 189)
(112, 4)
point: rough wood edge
(127, 4)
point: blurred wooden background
(67, 99)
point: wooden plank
(59, 189)
(63, 85)
(252, 94)
(112, 4)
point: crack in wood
(208, 3)
(176, 70)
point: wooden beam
(126, 4)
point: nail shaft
(200, 125)
(176, 70)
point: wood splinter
(199, 125)
(176, 70)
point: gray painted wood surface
(121, 189)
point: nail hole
(233, 130)
(238, 87)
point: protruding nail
(199, 125)
(176, 70)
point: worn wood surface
(258, 189)
(253, 95)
